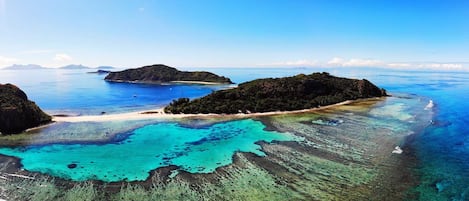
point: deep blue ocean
(442, 148)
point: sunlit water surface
(442, 147)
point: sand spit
(160, 114)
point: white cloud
(399, 65)
(427, 65)
(441, 66)
(61, 57)
(341, 62)
(5, 61)
(363, 62)
(338, 61)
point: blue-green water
(133, 155)
(77, 92)
(442, 149)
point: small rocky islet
(159, 73)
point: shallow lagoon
(131, 156)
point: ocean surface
(442, 148)
(76, 92)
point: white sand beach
(160, 114)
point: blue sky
(237, 33)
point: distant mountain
(24, 67)
(105, 67)
(73, 66)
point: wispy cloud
(341, 62)
(399, 65)
(359, 62)
(5, 61)
(428, 65)
(62, 57)
(338, 61)
(442, 66)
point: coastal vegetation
(161, 74)
(279, 94)
(17, 113)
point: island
(279, 94)
(105, 67)
(99, 71)
(73, 67)
(159, 73)
(25, 67)
(17, 113)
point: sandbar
(160, 114)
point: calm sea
(442, 148)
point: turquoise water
(131, 156)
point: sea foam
(397, 150)
(430, 105)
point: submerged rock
(17, 113)
(72, 165)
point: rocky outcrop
(17, 113)
(161, 74)
(280, 94)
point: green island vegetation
(279, 94)
(17, 113)
(159, 73)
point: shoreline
(160, 114)
(169, 83)
(199, 82)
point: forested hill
(161, 73)
(17, 113)
(279, 94)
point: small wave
(397, 150)
(430, 105)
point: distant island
(24, 67)
(164, 74)
(100, 71)
(105, 67)
(279, 94)
(67, 67)
(74, 66)
(17, 113)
